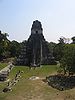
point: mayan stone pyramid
(35, 51)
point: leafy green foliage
(51, 46)
(68, 58)
(14, 48)
(3, 45)
(58, 51)
(8, 48)
(73, 40)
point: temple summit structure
(35, 51)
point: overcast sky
(57, 18)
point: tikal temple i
(35, 51)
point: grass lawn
(27, 89)
(2, 65)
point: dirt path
(39, 90)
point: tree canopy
(68, 59)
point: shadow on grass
(61, 82)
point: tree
(64, 40)
(51, 46)
(73, 40)
(14, 48)
(61, 40)
(3, 45)
(68, 59)
(58, 49)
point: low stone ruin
(34, 78)
(13, 82)
(4, 73)
(61, 82)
